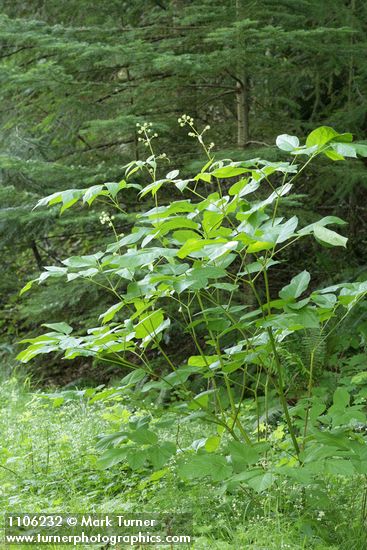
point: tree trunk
(37, 255)
(242, 87)
(242, 97)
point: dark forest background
(77, 76)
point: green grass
(48, 463)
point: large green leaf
(64, 328)
(76, 262)
(136, 458)
(228, 172)
(161, 453)
(242, 454)
(148, 324)
(112, 456)
(192, 245)
(321, 136)
(296, 287)
(93, 192)
(329, 237)
(111, 312)
(205, 465)
(258, 479)
(286, 142)
(341, 398)
(309, 229)
(143, 436)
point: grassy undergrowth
(49, 463)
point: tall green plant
(202, 265)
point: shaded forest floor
(49, 463)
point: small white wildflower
(185, 119)
(105, 218)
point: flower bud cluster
(185, 119)
(106, 219)
(147, 131)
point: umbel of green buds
(185, 119)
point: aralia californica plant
(203, 263)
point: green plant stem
(235, 413)
(309, 392)
(280, 389)
(280, 385)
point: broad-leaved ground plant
(198, 268)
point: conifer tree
(76, 77)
